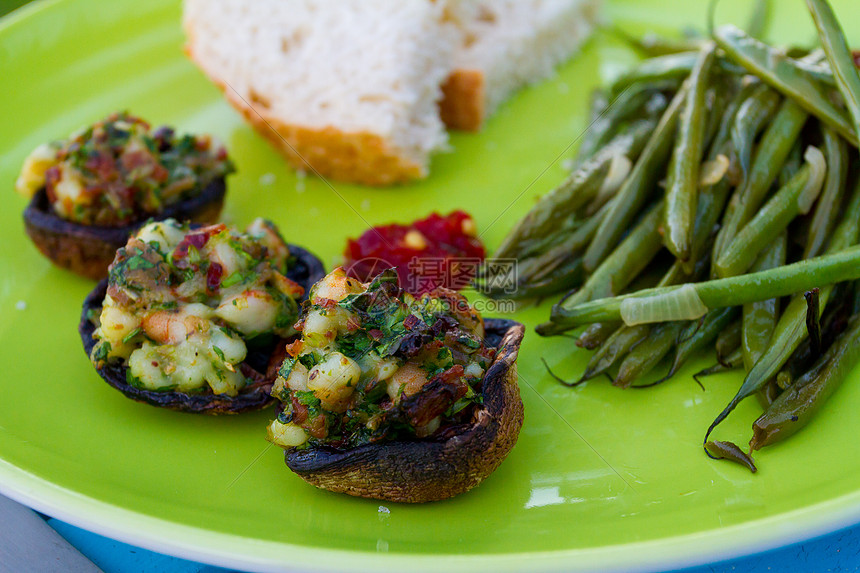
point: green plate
(600, 479)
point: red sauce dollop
(439, 251)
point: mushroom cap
(306, 270)
(416, 471)
(88, 250)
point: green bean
(532, 274)
(821, 73)
(840, 57)
(770, 221)
(811, 63)
(827, 208)
(639, 186)
(595, 335)
(855, 299)
(753, 114)
(810, 58)
(653, 45)
(799, 403)
(568, 275)
(683, 179)
(760, 18)
(657, 272)
(537, 246)
(774, 147)
(615, 348)
(677, 273)
(699, 334)
(723, 135)
(647, 354)
(816, 66)
(599, 103)
(618, 338)
(791, 329)
(813, 322)
(712, 201)
(728, 451)
(579, 188)
(799, 362)
(792, 164)
(786, 376)
(732, 362)
(625, 262)
(768, 394)
(716, 101)
(729, 339)
(778, 71)
(812, 371)
(672, 66)
(759, 318)
(834, 320)
(535, 266)
(559, 268)
(712, 198)
(632, 103)
(733, 291)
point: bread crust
(463, 100)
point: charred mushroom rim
(90, 192)
(195, 318)
(394, 397)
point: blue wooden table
(837, 552)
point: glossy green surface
(600, 478)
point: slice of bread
(347, 89)
(353, 89)
(504, 45)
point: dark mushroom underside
(306, 270)
(424, 470)
(88, 249)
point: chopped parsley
(128, 171)
(375, 332)
(220, 353)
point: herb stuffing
(184, 304)
(376, 363)
(118, 171)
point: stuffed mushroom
(394, 397)
(195, 318)
(90, 192)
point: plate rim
(226, 550)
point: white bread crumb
(316, 71)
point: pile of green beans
(721, 174)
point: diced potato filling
(32, 176)
(190, 335)
(118, 171)
(250, 312)
(365, 349)
(286, 435)
(333, 380)
(336, 286)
